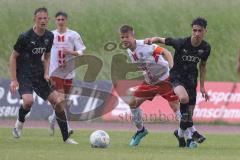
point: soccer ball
(99, 139)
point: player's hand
(148, 41)
(66, 51)
(14, 85)
(46, 77)
(151, 40)
(64, 64)
(204, 94)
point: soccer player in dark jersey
(29, 72)
(189, 51)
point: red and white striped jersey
(150, 60)
(69, 40)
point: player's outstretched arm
(168, 56)
(13, 71)
(154, 40)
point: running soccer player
(66, 45)
(29, 73)
(155, 62)
(189, 52)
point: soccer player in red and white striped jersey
(66, 45)
(155, 63)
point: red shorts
(62, 85)
(163, 88)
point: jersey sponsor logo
(39, 50)
(190, 58)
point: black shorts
(190, 88)
(28, 84)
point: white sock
(188, 134)
(192, 129)
(53, 117)
(137, 118)
(68, 126)
(180, 132)
(19, 124)
(178, 115)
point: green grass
(36, 144)
(98, 22)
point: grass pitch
(36, 144)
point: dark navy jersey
(186, 58)
(31, 48)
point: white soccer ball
(99, 139)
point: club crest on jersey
(200, 51)
(39, 50)
(32, 42)
(46, 41)
(185, 51)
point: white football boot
(71, 141)
(17, 129)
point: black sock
(190, 119)
(62, 122)
(142, 129)
(22, 113)
(183, 108)
(183, 125)
(184, 117)
(190, 124)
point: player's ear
(133, 34)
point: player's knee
(28, 102)
(130, 91)
(55, 98)
(184, 99)
(60, 103)
(59, 99)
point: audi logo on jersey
(190, 58)
(39, 50)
